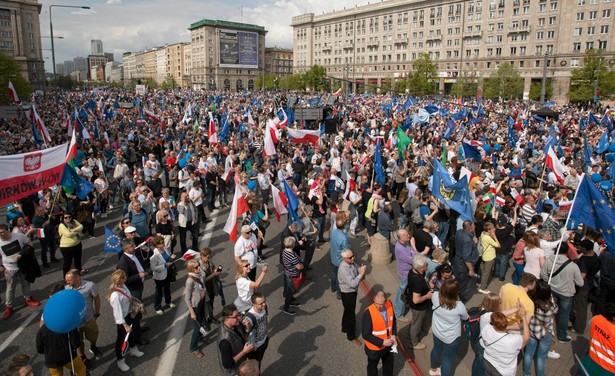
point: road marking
(7, 342)
(166, 365)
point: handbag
(263, 224)
(172, 273)
(298, 281)
(136, 306)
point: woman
(256, 216)
(212, 281)
(120, 299)
(292, 268)
(196, 300)
(102, 192)
(541, 329)
(489, 242)
(124, 223)
(161, 265)
(501, 348)
(245, 286)
(371, 213)
(534, 255)
(70, 243)
(164, 228)
(448, 312)
(20, 226)
(443, 272)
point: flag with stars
(456, 195)
(593, 209)
(113, 243)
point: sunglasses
(68, 217)
(246, 266)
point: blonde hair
(116, 278)
(161, 214)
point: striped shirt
(289, 261)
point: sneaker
(435, 372)
(564, 340)
(121, 364)
(159, 312)
(295, 305)
(134, 351)
(484, 292)
(171, 305)
(110, 206)
(553, 355)
(8, 311)
(289, 312)
(96, 352)
(32, 303)
(419, 346)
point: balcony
(519, 29)
(327, 48)
(348, 45)
(401, 40)
(433, 37)
(374, 43)
(473, 34)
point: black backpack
(471, 326)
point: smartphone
(219, 269)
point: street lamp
(596, 90)
(53, 52)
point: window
(498, 52)
(604, 29)
(574, 62)
(580, 16)
(542, 7)
(513, 50)
(606, 13)
(589, 45)
(522, 50)
(540, 35)
(591, 30)
(553, 5)
(578, 31)
(592, 14)
(602, 44)
(537, 63)
(538, 50)
(576, 46)
(580, 2)
(541, 22)
(551, 34)
(552, 20)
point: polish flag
(486, 199)
(467, 173)
(106, 138)
(40, 124)
(500, 200)
(190, 255)
(302, 136)
(279, 202)
(337, 93)
(492, 188)
(151, 115)
(72, 148)
(141, 122)
(282, 123)
(565, 205)
(213, 137)
(227, 173)
(555, 165)
(313, 189)
(350, 186)
(250, 119)
(40, 233)
(516, 196)
(13, 93)
(269, 145)
(239, 207)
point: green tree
(466, 85)
(423, 78)
(65, 82)
(169, 82)
(536, 88)
(506, 82)
(583, 80)
(293, 82)
(11, 71)
(316, 78)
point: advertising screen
(238, 49)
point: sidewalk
(385, 277)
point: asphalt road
(310, 343)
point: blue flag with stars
(456, 195)
(113, 243)
(593, 209)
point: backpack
(471, 326)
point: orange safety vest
(380, 329)
(602, 343)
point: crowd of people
(167, 172)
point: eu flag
(593, 119)
(603, 143)
(70, 179)
(471, 151)
(450, 128)
(113, 243)
(293, 203)
(455, 195)
(587, 152)
(593, 209)
(378, 169)
(432, 109)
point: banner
(24, 174)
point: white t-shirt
(244, 294)
(246, 249)
(532, 261)
(9, 250)
(260, 326)
(196, 196)
(503, 353)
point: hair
(205, 252)
(255, 296)
(126, 243)
(295, 226)
(527, 279)
(158, 239)
(467, 224)
(162, 214)
(74, 273)
(542, 232)
(346, 252)
(289, 242)
(250, 367)
(440, 269)
(488, 226)
(531, 240)
(17, 363)
(4, 227)
(492, 302)
(191, 264)
(586, 246)
(228, 310)
(541, 295)
(116, 277)
(537, 218)
(563, 248)
(428, 224)
(340, 223)
(449, 293)
(419, 261)
(308, 208)
(439, 254)
(498, 321)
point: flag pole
(565, 229)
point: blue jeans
(565, 306)
(403, 220)
(501, 265)
(320, 224)
(399, 306)
(477, 365)
(334, 282)
(289, 292)
(443, 231)
(541, 356)
(447, 350)
(517, 274)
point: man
(419, 299)
(11, 247)
(250, 367)
(511, 294)
(566, 274)
(466, 256)
(138, 219)
(404, 253)
(246, 249)
(130, 264)
(553, 223)
(415, 204)
(232, 349)
(309, 232)
(258, 318)
(379, 332)
(89, 327)
(589, 265)
(423, 241)
(188, 220)
(349, 275)
(212, 186)
(602, 343)
(338, 242)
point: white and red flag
(555, 165)
(303, 136)
(190, 255)
(280, 202)
(212, 135)
(517, 197)
(350, 185)
(269, 144)
(239, 207)
(151, 115)
(40, 124)
(13, 93)
(337, 93)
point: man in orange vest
(602, 343)
(379, 332)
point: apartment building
(278, 61)
(374, 45)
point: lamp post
(53, 52)
(596, 90)
(543, 89)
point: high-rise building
(278, 61)
(226, 55)
(376, 44)
(96, 46)
(20, 38)
(175, 62)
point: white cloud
(113, 2)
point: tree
(466, 85)
(293, 82)
(423, 79)
(11, 71)
(583, 80)
(506, 82)
(536, 88)
(316, 78)
(169, 82)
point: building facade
(98, 61)
(20, 38)
(175, 62)
(374, 45)
(187, 67)
(278, 61)
(96, 46)
(226, 55)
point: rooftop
(227, 24)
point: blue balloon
(606, 185)
(497, 147)
(610, 157)
(486, 147)
(596, 177)
(252, 185)
(182, 163)
(64, 311)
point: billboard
(238, 49)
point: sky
(134, 25)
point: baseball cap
(129, 229)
